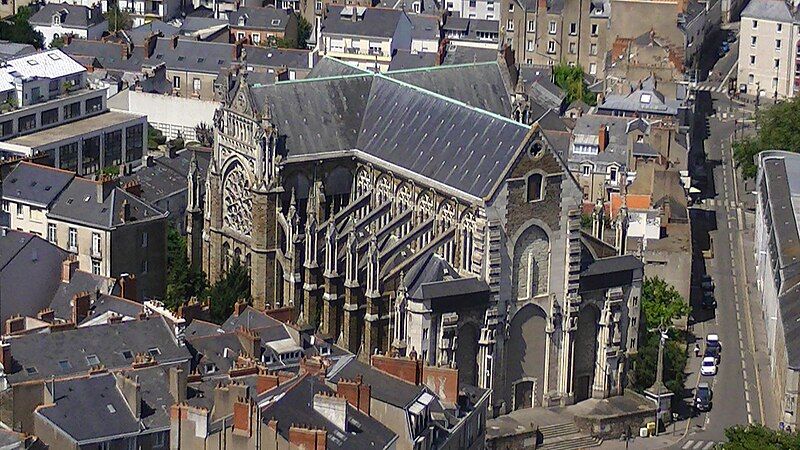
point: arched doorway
(585, 353)
(467, 354)
(525, 351)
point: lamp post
(659, 383)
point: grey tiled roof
(108, 342)
(193, 56)
(262, 18)
(167, 176)
(384, 387)
(81, 281)
(377, 22)
(295, 406)
(72, 16)
(776, 10)
(276, 57)
(455, 55)
(424, 27)
(478, 85)
(10, 50)
(36, 184)
(332, 67)
(139, 34)
(404, 60)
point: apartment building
(56, 20)
(49, 109)
(366, 37)
(110, 231)
(768, 61)
(143, 11)
(262, 26)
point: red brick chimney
(68, 268)
(105, 184)
(239, 307)
(127, 287)
(308, 438)
(133, 187)
(602, 138)
(406, 369)
(5, 356)
(243, 417)
(250, 342)
(442, 380)
(190, 310)
(266, 381)
(80, 306)
(46, 315)
(15, 324)
(356, 393)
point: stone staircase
(565, 436)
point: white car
(709, 366)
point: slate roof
(455, 55)
(44, 351)
(405, 59)
(775, 10)
(138, 35)
(81, 281)
(10, 50)
(587, 127)
(95, 398)
(261, 18)
(424, 27)
(384, 387)
(331, 67)
(478, 85)
(295, 406)
(35, 184)
(72, 16)
(276, 57)
(614, 264)
(167, 176)
(647, 100)
(468, 29)
(78, 203)
(376, 22)
(193, 56)
(396, 123)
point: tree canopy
(118, 19)
(779, 129)
(661, 303)
(183, 282)
(571, 79)
(759, 437)
(232, 287)
(18, 29)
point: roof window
(64, 365)
(127, 354)
(54, 56)
(31, 370)
(111, 408)
(645, 98)
(92, 360)
(155, 351)
(276, 22)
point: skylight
(276, 22)
(64, 365)
(92, 360)
(54, 56)
(645, 98)
(111, 408)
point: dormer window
(211, 367)
(56, 20)
(645, 98)
(242, 20)
(324, 351)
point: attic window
(87, 198)
(127, 354)
(220, 61)
(211, 368)
(181, 58)
(64, 365)
(199, 60)
(276, 22)
(54, 56)
(33, 62)
(159, 56)
(325, 351)
(154, 351)
(92, 360)
(111, 408)
(645, 98)
(31, 370)
(69, 201)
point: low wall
(613, 426)
(167, 113)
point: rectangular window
(752, 59)
(551, 47)
(594, 29)
(26, 123)
(94, 105)
(144, 239)
(511, 7)
(572, 48)
(51, 233)
(90, 155)
(755, 24)
(318, 6)
(777, 63)
(196, 84)
(753, 41)
(573, 29)
(529, 46)
(134, 142)
(531, 26)
(780, 27)
(49, 117)
(112, 151)
(256, 38)
(774, 84)
(510, 25)
(176, 81)
(96, 267)
(20, 210)
(593, 49)
(551, 27)
(592, 68)
(96, 244)
(72, 110)
(6, 128)
(160, 439)
(777, 44)
(473, 3)
(144, 266)
(750, 78)
(72, 242)
(68, 157)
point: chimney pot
(127, 287)
(80, 307)
(177, 383)
(68, 268)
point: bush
(779, 129)
(18, 29)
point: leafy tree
(759, 437)
(155, 138)
(661, 303)
(110, 170)
(57, 42)
(118, 19)
(18, 29)
(303, 32)
(232, 287)
(586, 221)
(571, 80)
(779, 129)
(183, 282)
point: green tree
(779, 129)
(204, 134)
(118, 19)
(571, 79)
(18, 29)
(57, 42)
(155, 137)
(183, 282)
(303, 32)
(232, 287)
(759, 437)
(661, 303)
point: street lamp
(658, 386)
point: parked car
(706, 283)
(730, 37)
(725, 47)
(709, 302)
(709, 366)
(712, 340)
(712, 352)
(702, 397)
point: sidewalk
(664, 440)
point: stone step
(561, 429)
(571, 443)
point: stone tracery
(238, 201)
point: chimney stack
(125, 214)
(602, 138)
(266, 381)
(131, 391)
(46, 315)
(356, 393)
(127, 287)
(243, 417)
(177, 384)
(133, 187)
(332, 408)
(68, 268)
(307, 438)
(80, 307)
(5, 356)
(239, 307)
(15, 324)
(105, 184)
(250, 342)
